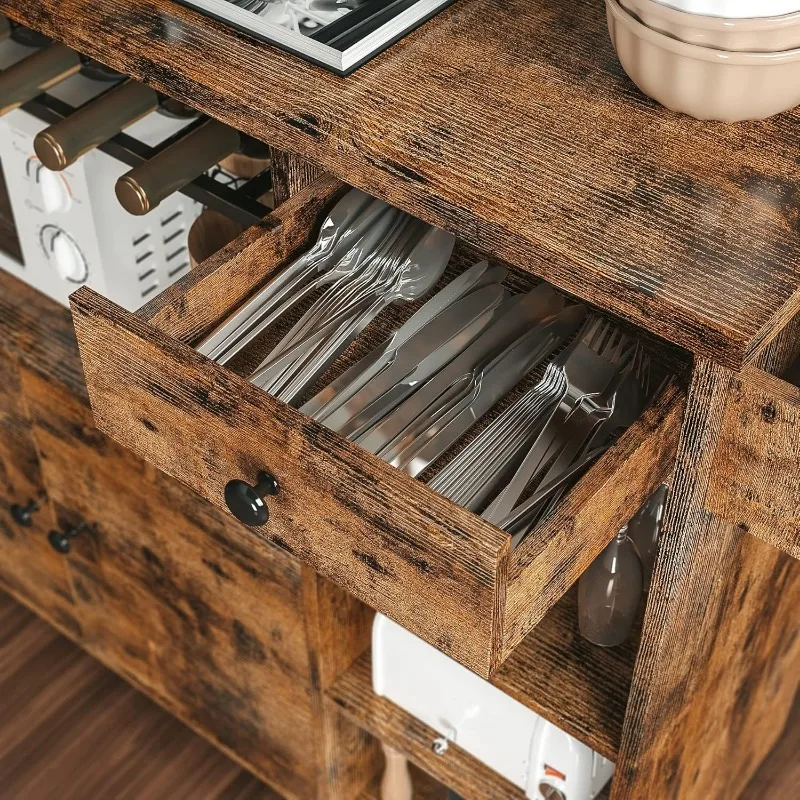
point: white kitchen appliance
(529, 751)
(71, 228)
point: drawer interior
(520, 585)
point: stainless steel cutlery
(417, 394)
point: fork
(509, 432)
(589, 366)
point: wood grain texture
(290, 175)
(338, 630)
(579, 687)
(686, 228)
(353, 696)
(377, 533)
(181, 600)
(717, 667)
(71, 729)
(552, 558)
(29, 567)
(37, 330)
(755, 481)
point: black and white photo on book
(340, 35)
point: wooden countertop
(511, 123)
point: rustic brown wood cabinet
(233, 637)
(526, 140)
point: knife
(510, 320)
(352, 379)
(500, 376)
(426, 352)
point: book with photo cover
(340, 35)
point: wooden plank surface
(718, 664)
(755, 481)
(35, 328)
(523, 136)
(29, 567)
(71, 729)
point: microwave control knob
(56, 195)
(55, 192)
(64, 253)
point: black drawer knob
(61, 541)
(247, 503)
(23, 515)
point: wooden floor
(72, 730)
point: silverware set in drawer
(415, 396)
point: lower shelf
(581, 688)
(352, 694)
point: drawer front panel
(29, 567)
(756, 476)
(180, 599)
(433, 567)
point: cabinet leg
(718, 664)
(338, 629)
(396, 783)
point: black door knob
(23, 514)
(247, 502)
(61, 541)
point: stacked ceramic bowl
(726, 60)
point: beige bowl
(700, 81)
(765, 35)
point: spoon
(345, 267)
(346, 221)
(338, 301)
(418, 274)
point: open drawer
(755, 480)
(437, 569)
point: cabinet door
(178, 598)
(29, 568)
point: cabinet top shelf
(510, 123)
